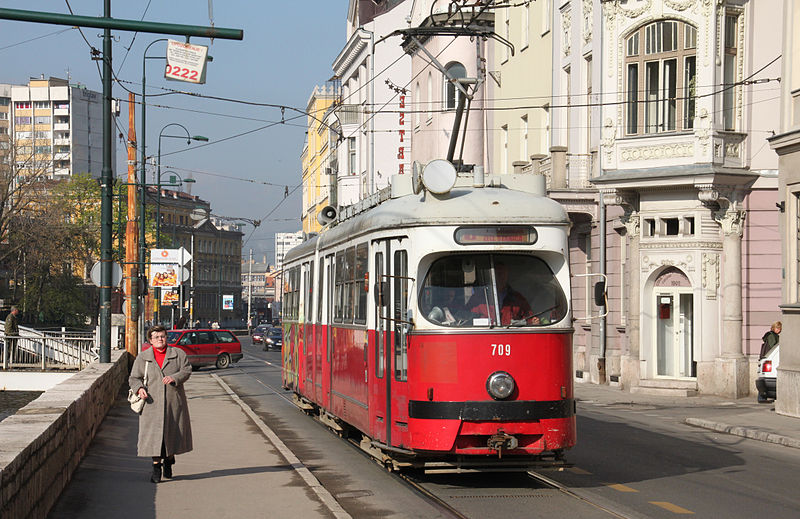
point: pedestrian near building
(12, 334)
(770, 339)
(164, 425)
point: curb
(745, 432)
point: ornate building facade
(691, 185)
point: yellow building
(522, 79)
(316, 155)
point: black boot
(156, 477)
(168, 463)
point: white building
(284, 241)
(57, 129)
(374, 134)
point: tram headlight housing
(500, 385)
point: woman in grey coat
(164, 425)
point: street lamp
(189, 139)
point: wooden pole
(132, 242)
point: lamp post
(189, 139)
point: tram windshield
(468, 290)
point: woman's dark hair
(156, 328)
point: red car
(206, 347)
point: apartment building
(315, 157)
(284, 241)
(57, 129)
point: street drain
(354, 494)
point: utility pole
(107, 23)
(250, 290)
(132, 240)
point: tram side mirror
(600, 293)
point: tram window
(380, 322)
(309, 293)
(321, 290)
(340, 286)
(349, 271)
(361, 266)
(463, 291)
(400, 314)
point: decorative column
(732, 378)
(630, 371)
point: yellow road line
(622, 488)
(672, 508)
(576, 470)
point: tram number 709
(501, 350)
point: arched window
(454, 70)
(660, 69)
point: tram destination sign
(186, 62)
(496, 234)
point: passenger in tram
(513, 307)
(447, 307)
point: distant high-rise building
(56, 128)
(284, 241)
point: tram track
(429, 491)
(409, 482)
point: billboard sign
(164, 265)
(227, 302)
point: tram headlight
(500, 385)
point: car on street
(273, 339)
(257, 336)
(209, 347)
(766, 382)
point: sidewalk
(238, 468)
(743, 417)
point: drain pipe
(601, 362)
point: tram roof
(462, 206)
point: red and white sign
(403, 148)
(186, 62)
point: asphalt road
(365, 489)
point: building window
(730, 92)
(526, 26)
(22, 105)
(22, 119)
(504, 151)
(452, 94)
(665, 69)
(418, 105)
(523, 138)
(351, 156)
(507, 35)
(41, 104)
(547, 8)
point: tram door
(389, 402)
(328, 334)
(319, 342)
(308, 328)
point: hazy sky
(288, 48)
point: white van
(767, 374)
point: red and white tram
(438, 326)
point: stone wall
(43, 443)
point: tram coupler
(500, 440)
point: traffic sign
(184, 256)
(116, 274)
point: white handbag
(137, 403)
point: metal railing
(48, 350)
